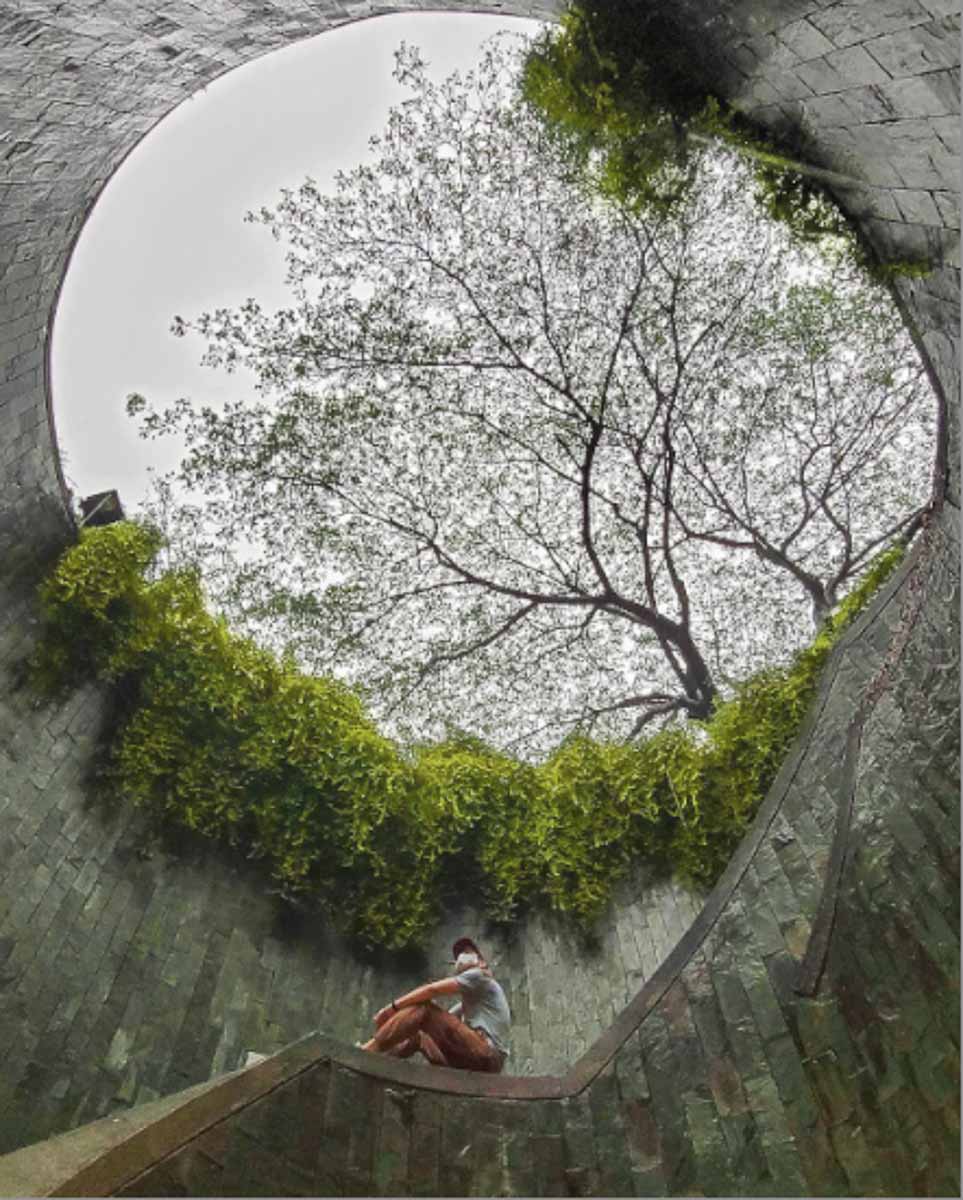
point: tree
(830, 403)
(509, 436)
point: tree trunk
(699, 686)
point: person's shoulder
(477, 979)
(473, 975)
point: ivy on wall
(221, 736)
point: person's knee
(435, 1018)
(418, 1016)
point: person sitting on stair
(473, 1036)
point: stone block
(831, 1087)
(784, 86)
(487, 1168)
(767, 1109)
(936, 94)
(795, 1090)
(459, 1132)
(581, 1161)
(726, 1086)
(900, 824)
(936, 935)
(743, 57)
(845, 24)
(856, 1158)
(829, 109)
(547, 1155)
(928, 47)
(424, 1155)
(643, 1139)
(661, 1064)
(390, 1174)
(766, 1010)
(796, 935)
(934, 1067)
(764, 46)
(347, 1137)
(614, 1164)
(713, 1168)
(253, 1169)
(748, 1164)
(765, 865)
(821, 1167)
(737, 1016)
(941, 832)
(856, 66)
(806, 887)
(813, 1026)
(785, 1165)
(931, 168)
(704, 1007)
(630, 1071)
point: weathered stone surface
(131, 969)
(424, 1159)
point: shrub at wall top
(219, 735)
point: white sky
(167, 235)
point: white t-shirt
(483, 1006)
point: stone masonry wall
(727, 1075)
(872, 90)
(130, 969)
(132, 965)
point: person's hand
(382, 1015)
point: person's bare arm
(421, 995)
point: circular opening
(598, 472)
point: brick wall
(130, 968)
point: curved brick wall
(804, 1036)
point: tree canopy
(521, 461)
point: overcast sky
(167, 236)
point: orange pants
(443, 1039)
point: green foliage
(620, 83)
(220, 736)
(614, 82)
(93, 602)
(803, 206)
(609, 60)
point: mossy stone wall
(125, 966)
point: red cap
(464, 944)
